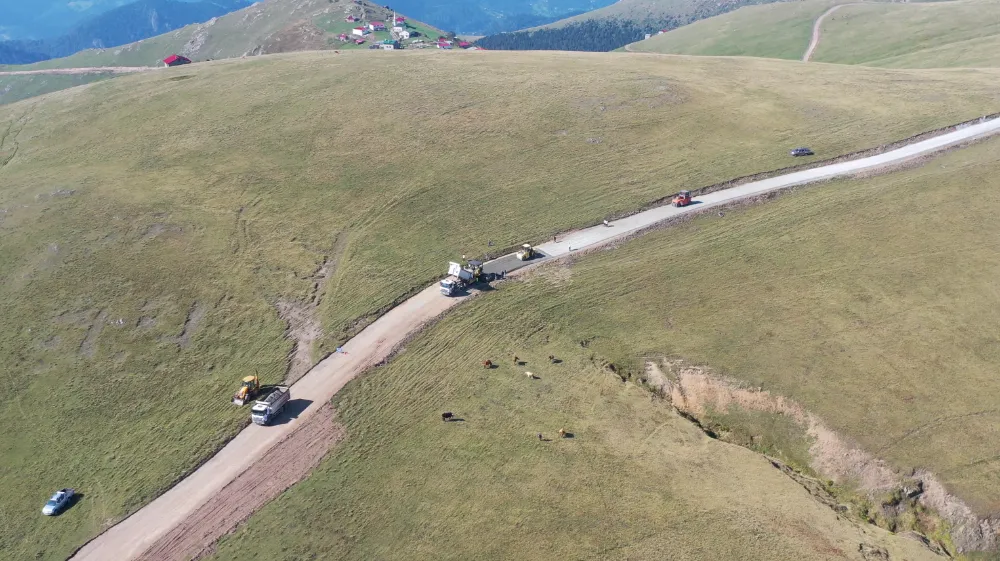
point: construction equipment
(460, 277)
(265, 410)
(682, 199)
(248, 389)
(527, 252)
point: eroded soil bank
(835, 470)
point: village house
(176, 60)
(359, 41)
(464, 44)
(400, 20)
(397, 29)
(359, 31)
(350, 19)
(444, 45)
(389, 45)
(343, 37)
(404, 34)
(376, 26)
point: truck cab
(450, 286)
(264, 411)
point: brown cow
(487, 364)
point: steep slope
(167, 233)
(271, 26)
(779, 30)
(611, 27)
(902, 35)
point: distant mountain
(119, 26)
(37, 19)
(20, 53)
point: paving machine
(527, 252)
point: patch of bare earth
(694, 391)
(282, 466)
(194, 317)
(304, 327)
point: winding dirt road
(84, 70)
(153, 526)
(814, 42)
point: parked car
(58, 502)
(803, 151)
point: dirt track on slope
(282, 466)
(85, 70)
(814, 42)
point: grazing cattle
(530, 375)
(487, 364)
(552, 359)
(516, 360)
(562, 433)
(447, 416)
(539, 436)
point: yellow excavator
(248, 389)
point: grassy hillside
(16, 88)
(153, 224)
(634, 481)
(611, 27)
(902, 35)
(872, 302)
(963, 33)
(779, 30)
(271, 26)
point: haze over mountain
(105, 28)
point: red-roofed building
(176, 60)
(360, 31)
(350, 19)
(376, 26)
(359, 41)
(400, 20)
(464, 44)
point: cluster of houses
(359, 34)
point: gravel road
(89, 70)
(133, 536)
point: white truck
(460, 277)
(265, 410)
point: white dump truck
(265, 410)
(460, 277)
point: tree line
(601, 35)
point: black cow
(446, 416)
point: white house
(387, 47)
(397, 29)
(404, 34)
(359, 31)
